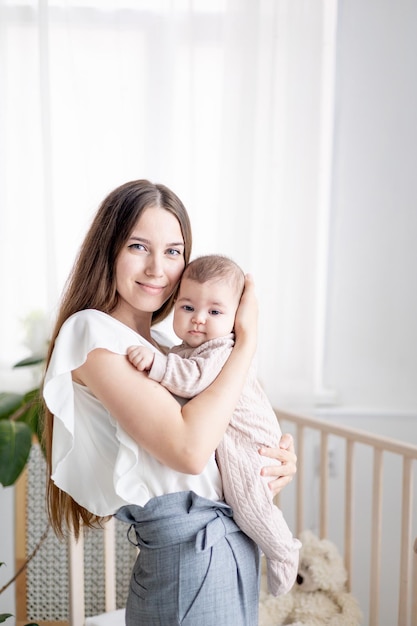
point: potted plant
(19, 427)
(19, 423)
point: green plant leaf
(4, 616)
(35, 415)
(15, 444)
(9, 403)
(30, 360)
(30, 409)
(31, 412)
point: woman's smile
(151, 289)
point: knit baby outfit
(185, 372)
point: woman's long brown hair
(92, 285)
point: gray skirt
(195, 566)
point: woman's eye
(137, 246)
(174, 252)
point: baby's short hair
(216, 267)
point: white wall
(371, 343)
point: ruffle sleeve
(93, 459)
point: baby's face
(204, 311)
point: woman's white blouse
(93, 459)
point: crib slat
(414, 587)
(76, 580)
(324, 483)
(405, 562)
(376, 538)
(349, 510)
(300, 480)
(110, 564)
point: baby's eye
(215, 312)
(188, 307)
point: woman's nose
(154, 265)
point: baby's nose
(199, 317)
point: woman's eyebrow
(142, 239)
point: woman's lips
(152, 289)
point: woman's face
(150, 263)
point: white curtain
(227, 102)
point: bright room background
(222, 101)
(287, 127)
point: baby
(204, 315)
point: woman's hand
(284, 472)
(246, 320)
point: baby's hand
(141, 357)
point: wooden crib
(346, 481)
(331, 452)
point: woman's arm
(181, 437)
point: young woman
(120, 444)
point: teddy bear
(319, 595)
